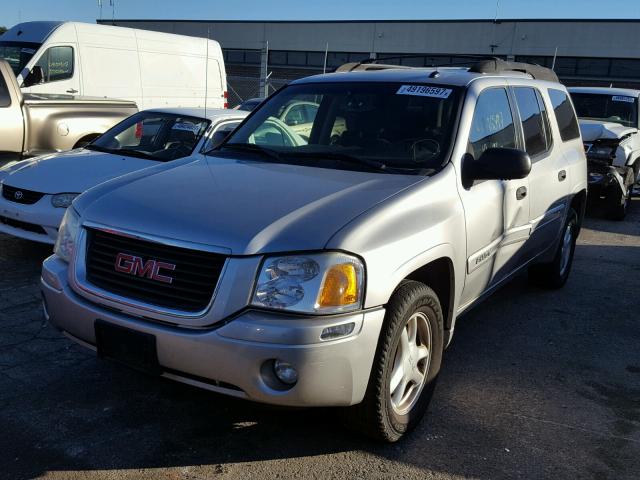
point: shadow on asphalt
(536, 384)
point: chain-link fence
(243, 88)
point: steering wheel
(422, 149)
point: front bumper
(602, 176)
(233, 358)
(38, 222)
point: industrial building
(594, 52)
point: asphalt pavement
(536, 385)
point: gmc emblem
(150, 269)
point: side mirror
(219, 137)
(498, 164)
(35, 77)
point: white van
(151, 68)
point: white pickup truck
(609, 124)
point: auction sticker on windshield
(424, 91)
(622, 98)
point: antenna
(206, 74)
(555, 55)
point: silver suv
(329, 269)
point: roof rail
(476, 64)
(497, 65)
(365, 66)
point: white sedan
(34, 193)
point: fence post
(264, 71)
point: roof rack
(365, 66)
(497, 65)
(476, 63)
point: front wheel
(555, 274)
(618, 203)
(405, 367)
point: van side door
(496, 211)
(61, 71)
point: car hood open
(594, 130)
(71, 172)
(242, 207)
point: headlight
(320, 283)
(63, 200)
(67, 235)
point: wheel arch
(579, 204)
(439, 274)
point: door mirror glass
(500, 164)
(35, 77)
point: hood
(245, 207)
(594, 130)
(71, 172)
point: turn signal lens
(339, 287)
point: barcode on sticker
(424, 91)
(622, 98)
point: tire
(386, 417)
(554, 275)
(617, 204)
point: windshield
(18, 54)
(611, 108)
(387, 126)
(154, 135)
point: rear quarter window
(565, 115)
(5, 99)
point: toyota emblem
(18, 195)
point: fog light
(337, 331)
(285, 372)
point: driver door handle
(72, 90)
(521, 193)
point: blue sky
(15, 11)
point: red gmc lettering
(132, 265)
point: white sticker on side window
(187, 127)
(622, 98)
(424, 91)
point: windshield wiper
(91, 146)
(252, 147)
(345, 157)
(133, 153)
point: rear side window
(533, 125)
(57, 63)
(565, 116)
(492, 125)
(5, 99)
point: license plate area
(130, 347)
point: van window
(5, 98)
(492, 125)
(565, 116)
(56, 63)
(532, 123)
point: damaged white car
(609, 124)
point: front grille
(193, 280)
(29, 227)
(19, 195)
